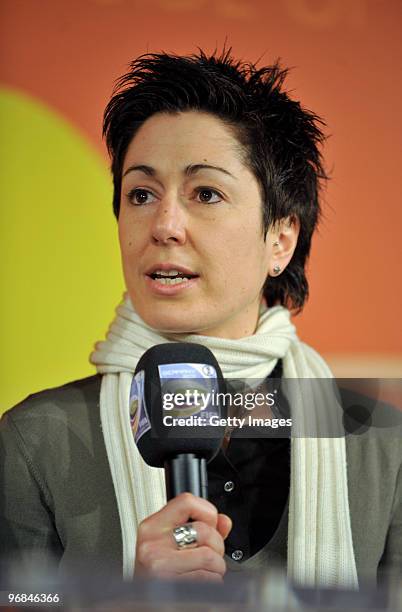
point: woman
(216, 181)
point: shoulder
(67, 397)
(372, 426)
(49, 414)
(70, 394)
(373, 436)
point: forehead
(179, 136)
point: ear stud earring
(276, 269)
(276, 243)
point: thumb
(224, 525)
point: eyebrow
(188, 171)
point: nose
(168, 226)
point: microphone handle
(186, 473)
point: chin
(167, 324)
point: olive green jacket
(57, 494)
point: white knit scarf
(320, 547)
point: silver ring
(185, 535)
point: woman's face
(191, 209)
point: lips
(170, 280)
(168, 267)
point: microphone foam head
(175, 402)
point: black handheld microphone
(176, 413)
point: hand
(157, 553)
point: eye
(139, 197)
(205, 194)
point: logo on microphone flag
(139, 419)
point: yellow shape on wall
(60, 264)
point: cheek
(238, 253)
(128, 238)
(247, 243)
(122, 231)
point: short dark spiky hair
(280, 139)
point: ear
(283, 236)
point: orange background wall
(347, 58)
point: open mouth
(171, 277)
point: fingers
(157, 552)
(201, 575)
(183, 561)
(224, 525)
(178, 511)
(206, 536)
